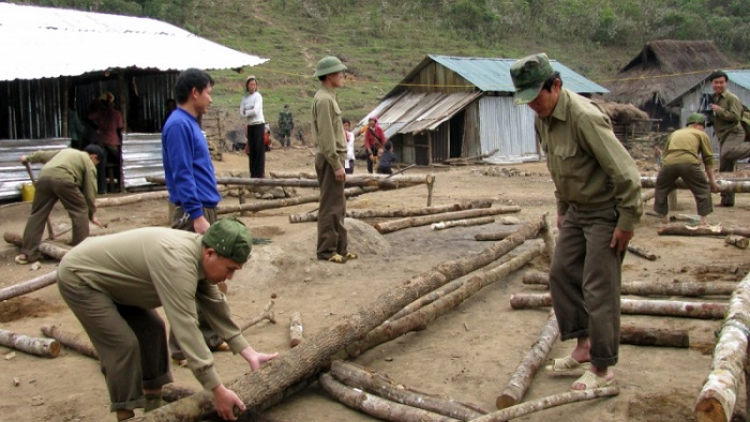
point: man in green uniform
(68, 176)
(598, 195)
(682, 159)
(726, 113)
(328, 132)
(113, 285)
(286, 125)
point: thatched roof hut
(663, 70)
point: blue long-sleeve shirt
(188, 169)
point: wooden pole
(725, 186)
(287, 202)
(50, 231)
(682, 230)
(642, 252)
(395, 182)
(361, 378)
(295, 330)
(44, 347)
(430, 189)
(266, 314)
(521, 379)
(492, 236)
(400, 212)
(28, 286)
(468, 222)
(718, 397)
(524, 409)
(50, 249)
(116, 201)
(307, 359)
(700, 310)
(70, 341)
(395, 225)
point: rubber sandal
(181, 362)
(338, 259)
(223, 347)
(592, 381)
(565, 364)
(350, 255)
(22, 259)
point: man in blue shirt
(189, 174)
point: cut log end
(54, 349)
(504, 401)
(710, 410)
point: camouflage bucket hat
(528, 76)
(230, 239)
(696, 118)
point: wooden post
(44, 347)
(430, 188)
(241, 196)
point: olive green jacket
(687, 146)
(590, 168)
(727, 116)
(70, 165)
(328, 127)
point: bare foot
(582, 351)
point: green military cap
(528, 76)
(328, 65)
(230, 239)
(696, 118)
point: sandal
(223, 347)
(337, 259)
(592, 381)
(565, 364)
(181, 362)
(22, 259)
(350, 255)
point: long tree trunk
(28, 286)
(395, 182)
(70, 341)
(130, 199)
(682, 230)
(468, 222)
(287, 202)
(394, 225)
(308, 358)
(701, 310)
(521, 379)
(725, 186)
(658, 337)
(377, 383)
(50, 249)
(718, 396)
(400, 212)
(44, 347)
(524, 409)
(376, 406)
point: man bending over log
(113, 285)
(598, 195)
(682, 159)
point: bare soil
(468, 354)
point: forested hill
(382, 40)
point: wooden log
(28, 286)
(50, 249)
(682, 230)
(44, 347)
(738, 241)
(468, 222)
(492, 236)
(295, 175)
(287, 202)
(70, 341)
(718, 396)
(266, 314)
(295, 330)
(430, 190)
(396, 182)
(394, 225)
(725, 186)
(307, 359)
(376, 406)
(648, 195)
(355, 376)
(130, 199)
(639, 336)
(524, 409)
(700, 310)
(521, 379)
(400, 212)
(535, 278)
(548, 236)
(642, 252)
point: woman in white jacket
(350, 158)
(251, 109)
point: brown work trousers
(331, 230)
(693, 176)
(585, 282)
(182, 221)
(131, 341)
(733, 147)
(48, 191)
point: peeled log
(738, 241)
(44, 347)
(682, 230)
(395, 225)
(28, 286)
(700, 310)
(295, 330)
(642, 252)
(718, 397)
(469, 222)
(70, 341)
(492, 236)
(524, 409)
(305, 360)
(130, 199)
(725, 186)
(648, 195)
(521, 379)
(376, 406)
(654, 337)
(286, 202)
(380, 384)
(395, 182)
(400, 212)
(50, 249)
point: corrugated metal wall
(508, 129)
(438, 78)
(13, 174)
(472, 142)
(141, 157)
(30, 109)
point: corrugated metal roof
(493, 75)
(41, 42)
(740, 77)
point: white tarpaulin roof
(41, 42)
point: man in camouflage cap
(598, 195)
(113, 285)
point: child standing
(386, 159)
(349, 163)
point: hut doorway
(457, 134)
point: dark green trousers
(332, 236)
(693, 176)
(733, 147)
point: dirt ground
(468, 354)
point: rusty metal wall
(437, 78)
(30, 109)
(13, 174)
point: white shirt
(349, 146)
(251, 108)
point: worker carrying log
(685, 150)
(113, 285)
(598, 193)
(68, 176)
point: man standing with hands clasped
(328, 132)
(598, 195)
